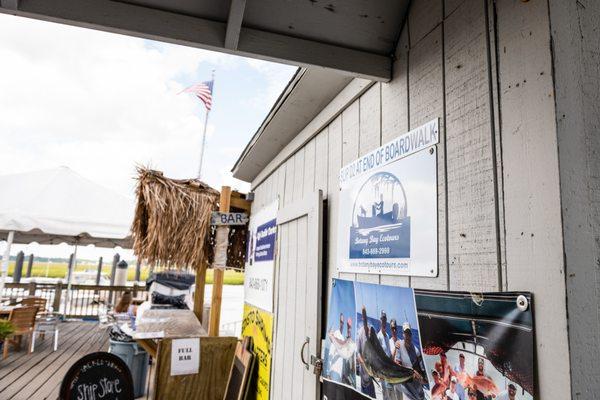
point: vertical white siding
(534, 247)
(576, 39)
(486, 73)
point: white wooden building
(516, 87)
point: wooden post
(217, 289)
(29, 265)
(57, 296)
(113, 271)
(99, 274)
(18, 271)
(199, 291)
(32, 288)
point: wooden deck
(38, 375)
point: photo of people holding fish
(339, 346)
(476, 347)
(388, 352)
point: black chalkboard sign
(97, 376)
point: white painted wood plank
(298, 182)
(426, 102)
(394, 118)
(306, 308)
(347, 96)
(534, 247)
(369, 139)
(314, 293)
(493, 46)
(308, 184)
(350, 148)
(423, 17)
(370, 120)
(299, 308)
(290, 358)
(472, 239)
(288, 194)
(394, 95)
(322, 161)
(334, 144)
(576, 38)
(280, 185)
(281, 327)
(350, 133)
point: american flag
(203, 91)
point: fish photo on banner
(389, 358)
(372, 348)
(477, 347)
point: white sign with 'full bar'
(185, 356)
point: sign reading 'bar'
(228, 218)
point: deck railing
(84, 301)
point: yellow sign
(258, 324)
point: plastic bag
(117, 334)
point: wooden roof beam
(234, 24)
(154, 24)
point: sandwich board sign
(228, 218)
(98, 375)
(387, 221)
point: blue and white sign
(388, 208)
(260, 258)
(264, 249)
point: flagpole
(204, 131)
(203, 145)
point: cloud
(101, 102)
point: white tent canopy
(58, 205)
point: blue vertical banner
(387, 221)
(265, 241)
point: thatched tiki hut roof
(171, 226)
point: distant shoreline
(59, 271)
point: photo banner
(260, 258)
(387, 221)
(258, 324)
(386, 342)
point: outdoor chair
(45, 321)
(23, 320)
(38, 302)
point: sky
(103, 103)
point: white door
(298, 299)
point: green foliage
(6, 328)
